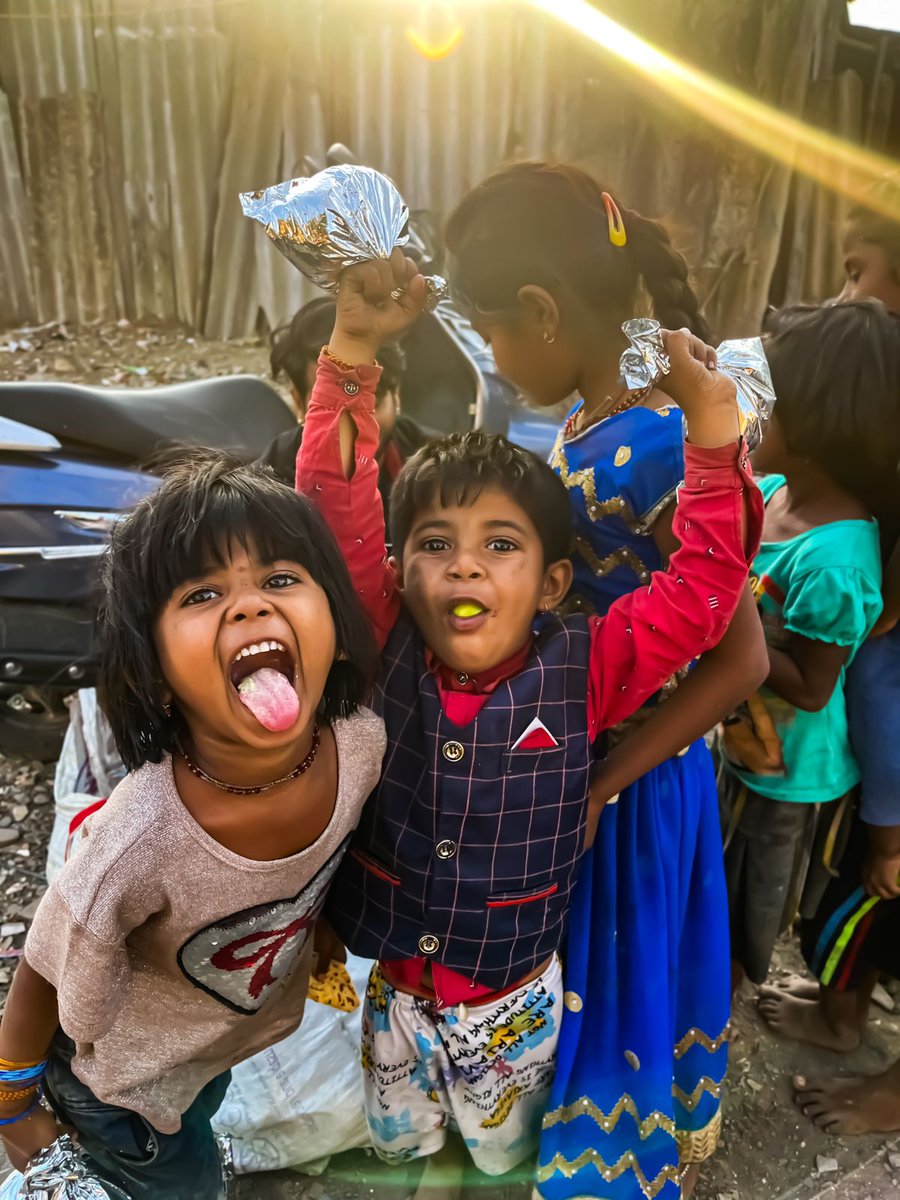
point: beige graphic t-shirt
(175, 958)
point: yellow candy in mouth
(467, 610)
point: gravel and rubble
(123, 355)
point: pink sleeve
(352, 507)
(654, 631)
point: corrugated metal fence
(127, 130)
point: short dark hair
(297, 343)
(869, 220)
(836, 373)
(206, 503)
(458, 467)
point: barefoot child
(459, 877)
(855, 932)
(647, 952)
(817, 577)
(176, 942)
(854, 936)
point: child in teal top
(817, 579)
(822, 585)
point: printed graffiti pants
(484, 1070)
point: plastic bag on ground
(299, 1102)
(88, 770)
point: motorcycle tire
(33, 735)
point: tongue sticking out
(271, 698)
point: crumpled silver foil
(343, 216)
(743, 360)
(645, 361)
(58, 1173)
(225, 1146)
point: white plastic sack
(300, 1101)
(88, 770)
(89, 762)
(9, 1189)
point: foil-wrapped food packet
(343, 216)
(644, 363)
(58, 1173)
(744, 360)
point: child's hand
(24, 1139)
(377, 300)
(881, 873)
(750, 740)
(707, 398)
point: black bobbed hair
(208, 503)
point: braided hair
(545, 224)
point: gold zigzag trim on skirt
(628, 1162)
(691, 1101)
(618, 558)
(585, 1107)
(696, 1037)
(698, 1145)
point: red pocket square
(536, 737)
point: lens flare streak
(830, 161)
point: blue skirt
(643, 1045)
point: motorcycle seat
(238, 413)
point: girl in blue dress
(549, 268)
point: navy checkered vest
(467, 849)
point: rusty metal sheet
(132, 125)
(16, 291)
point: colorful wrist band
(19, 1094)
(23, 1114)
(6, 1065)
(25, 1075)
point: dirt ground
(769, 1150)
(123, 355)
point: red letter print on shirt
(241, 959)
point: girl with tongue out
(178, 940)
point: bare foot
(691, 1175)
(803, 1021)
(801, 986)
(851, 1106)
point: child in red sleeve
(459, 876)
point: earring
(167, 709)
(548, 339)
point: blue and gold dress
(643, 1046)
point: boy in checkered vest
(458, 879)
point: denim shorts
(125, 1150)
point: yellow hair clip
(617, 233)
